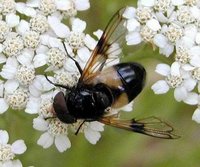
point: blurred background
(118, 148)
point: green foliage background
(118, 148)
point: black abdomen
(133, 77)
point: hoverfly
(99, 88)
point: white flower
(26, 10)
(60, 29)
(9, 151)
(39, 24)
(18, 74)
(75, 39)
(8, 6)
(70, 8)
(39, 86)
(54, 132)
(174, 78)
(56, 58)
(13, 45)
(91, 130)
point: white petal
(78, 25)
(12, 20)
(160, 40)
(133, 38)
(129, 13)
(83, 54)
(70, 66)
(40, 60)
(33, 105)
(2, 58)
(91, 135)
(132, 24)
(23, 27)
(167, 50)
(4, 105)
(45, 140)
(33, 3)
(11, 85)
(153, 24)
(128, 107)
(98, 33)
(26, 57)
(192, 98)
(189, 84)
(63, 5)
(96, 126)
(196, 115)
(90, 42)
(160, 87)
(161, 17)
(20, 7)
(11, 61)
(180, 94)
(188, 67)
(198, 87)
(60, 29)
(30, 12)
(45, 39)
(9, 69)
(195, 12)
(187, 42)
(4, 137)
(62, 143)
(7, 164)
(82, 4)
(177, 2)
(1, 88)
(163, 69)
(147, 2)
(195, 60)
(40, 124)
(16, 163)
(55, 42)
(46, 86)
(175, 69)
(34, 91)
(19, 147)
(197, 38)
(190, 31)
(194, 51)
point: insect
(99, 88)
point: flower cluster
(42, 44)
(9, 151)
(35, 41)
(173, 27)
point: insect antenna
(77, 64)
(79, 127)
(57, 85)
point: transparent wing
(108, 47)
(151, 126)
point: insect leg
(77, 64)
(80, 127)
(57, 85)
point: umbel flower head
(8, 152)
(32, 45)
(173, 27)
